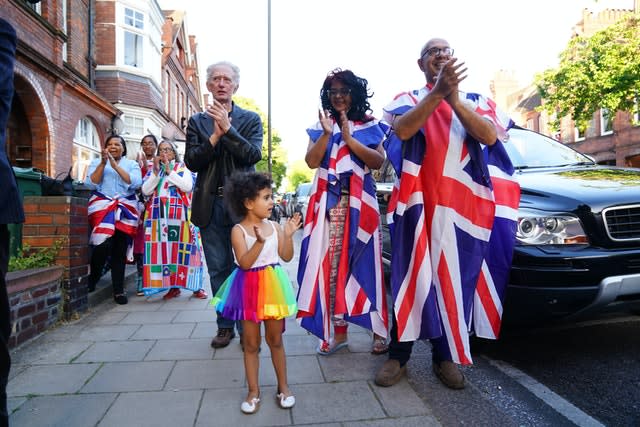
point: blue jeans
(216, 243)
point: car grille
(622, 222)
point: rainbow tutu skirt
(260, 293)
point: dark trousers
(5, 325)
(401, 351)
(216, 243)
(116, 247)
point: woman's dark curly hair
(359, 95)
(242, 186)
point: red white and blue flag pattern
(452, 217)
(106, 215)
(360, 290)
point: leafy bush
(37, 258)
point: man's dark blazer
(238, 149)
(11, 211)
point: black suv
(578, 239)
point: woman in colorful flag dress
(258, 290)
(113, 212)
(148, 146)
(340, 272)
(173, 251)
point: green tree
(300, 173)
(601, 71)
(278, 152)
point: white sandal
(286, 402)
(250, 407)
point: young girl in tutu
(258, 289)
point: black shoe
(121, 299)
(224, 337)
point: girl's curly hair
(242, 186)
(359, 95)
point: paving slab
(63, 411)
(115, 351)
(346, 366)
(400, 400)
(336, 402)
(149, 317)
(154, 409)
(164, 331)
(52, 353)
(195, 316)
(129, 376)
(300, 370)
(222, 408)
(425, 421)
(201, 374)
(181, 349)
(51, 379)
(205, 330)
(107, 332)
(109, 318)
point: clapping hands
(292, 225)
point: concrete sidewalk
(149, 363)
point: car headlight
(544, 228)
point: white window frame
(85, 140)
(65, 27)
(606, 121)
(133, 23)
(133, 126)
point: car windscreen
(528, 149)
(303, 189)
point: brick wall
(34, 298)
(48, 219)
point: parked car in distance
(577, 251)
(301, 198)
(287, 204)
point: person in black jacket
(222, 139)
(11, 211)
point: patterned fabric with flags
(106, 215)
(360, 291)
(452, 222)
(173, 250)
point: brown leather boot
(449, 374)
(224, 337)
(390, 373)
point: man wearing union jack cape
(451, 217)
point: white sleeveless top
(269, 253)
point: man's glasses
(435, 51)
(342, 92)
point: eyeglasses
(165, 150)
(345, 91)
(148, 143)
(435, 51)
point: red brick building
(86, 68)
(54, 83)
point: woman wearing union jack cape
(340, 271)
(113, 212)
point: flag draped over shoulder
(172, 245)
(360, 291)
(452, 219)
(106, 215)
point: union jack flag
(360, 291)
(106, 215)
(452, 219)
